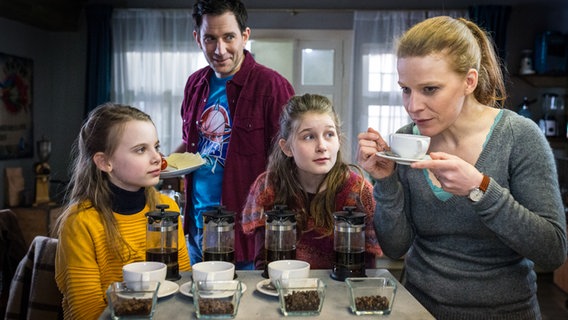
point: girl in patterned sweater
(307, 174)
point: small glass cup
(133, 300)
(371, 295)
(301, 296)
(216, 299)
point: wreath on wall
(14, 92)
(15, 86)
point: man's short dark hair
(217, 8)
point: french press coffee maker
(348, 244)
(280, 235)
(162, 239)
(219, 235)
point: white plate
(399, 160)
(259, 287)
(167, 288)
(171, 172)
(185, 289)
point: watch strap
(484, 183)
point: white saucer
(170, 172)
(259, 287)
(399, 160)
(185, 289)
(167, 288)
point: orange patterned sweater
(312, 246)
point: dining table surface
(257, 304)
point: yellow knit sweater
(84, 267)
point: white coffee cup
(213, 271)
(410, 146)
(145, 271)
(284, 270)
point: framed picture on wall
(16, 121)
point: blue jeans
(194, 244)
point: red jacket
(256, 97)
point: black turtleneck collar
(127, 202)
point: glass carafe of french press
(349, 244)
(162, 239)
(280, 235)
(219, 235)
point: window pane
(317, 67)
(278, 55)
(382, 73)
(387, 119)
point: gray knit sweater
(469, 260)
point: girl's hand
(455, 175)
(370, 143)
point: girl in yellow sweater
(103, 227)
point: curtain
(98, 55)
(377, 98)
(493, 19)
(153, 54)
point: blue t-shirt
(214, 134)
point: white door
(314, 61)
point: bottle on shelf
(549, 121)
(524, 108)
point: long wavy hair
(466, 45)
(89, 186)
(283, 171)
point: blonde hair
(89, 186)
(466, 45)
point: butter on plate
(184, 160)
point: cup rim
(146, 266)
(301, 264)
(225, 266)
(400, 134)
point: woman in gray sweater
(475, 219)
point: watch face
(475, 195)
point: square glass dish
(216, 299)
(132, 300)
(301, 297)
(371, 295)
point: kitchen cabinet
(37, 221)
(561, 277)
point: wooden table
(257, 305)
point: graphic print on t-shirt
(214, 132)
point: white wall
(58, 93)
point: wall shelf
(545, 81)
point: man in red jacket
(230, 115)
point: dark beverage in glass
(349, 263)
(169, 256)
(274, 255)
(219, 254)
